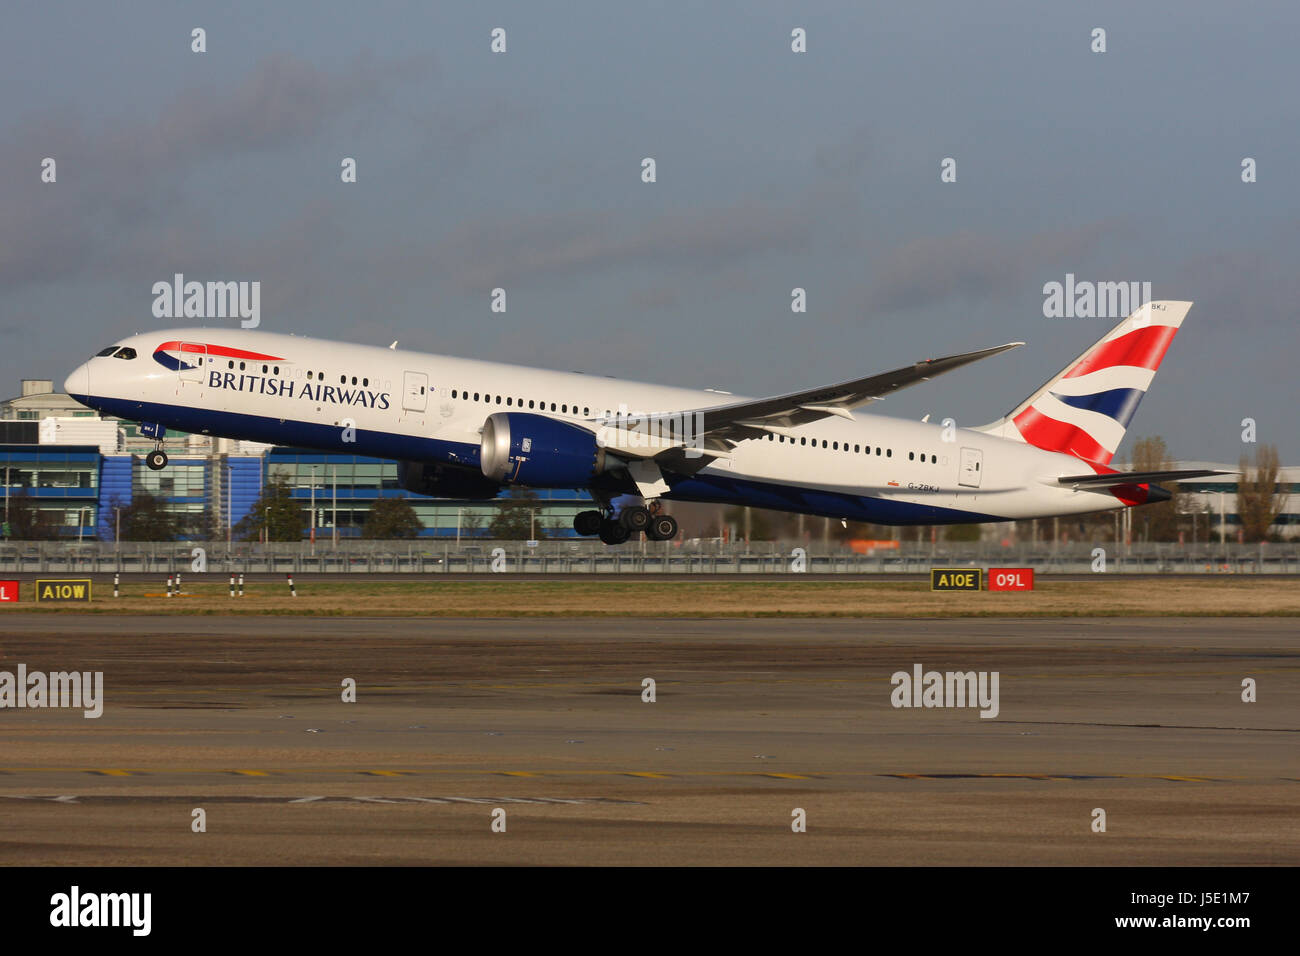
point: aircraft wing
(721, 427)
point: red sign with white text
(1011, 579)
(8, 590)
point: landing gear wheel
(611, 532)
(156, 459)
(587, 523)
(635, 518)
(662, 528)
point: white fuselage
(298, 391)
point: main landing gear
(156, 459)
(630, 521)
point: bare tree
(1259, 497)
(1158, 522)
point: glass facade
(346, 487)
(61, 482)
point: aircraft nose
(78, 383)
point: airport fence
(582, 557)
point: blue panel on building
(244, 487)
(114, 491)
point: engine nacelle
(444, 481)
(541, 452)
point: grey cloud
(935, 269)
(124, 179)
(479, 256)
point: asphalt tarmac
(753, 720)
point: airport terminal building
(80, 468)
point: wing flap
(1134, 478)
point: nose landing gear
(156, 459)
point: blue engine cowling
(537, 451)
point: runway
(753, 719)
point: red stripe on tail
(1048, 433)
(1143, 348)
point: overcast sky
(775, 170)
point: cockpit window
(126, 353)
(108, 351)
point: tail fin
(1085, 409)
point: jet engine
(541, 452)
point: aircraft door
(969, 474)
(415, 389)
(193, 361)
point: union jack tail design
(1085, 409)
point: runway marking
(269, 773)
(259, 798)
(1093, 723)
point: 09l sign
(1011, 579)
(955, 579)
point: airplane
(467, 429)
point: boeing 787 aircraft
(462, 428)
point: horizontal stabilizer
(1134, 478)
